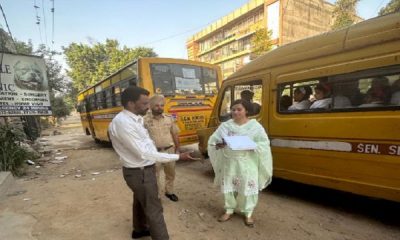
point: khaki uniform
(161, 131)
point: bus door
(89, 107)
(254, 89)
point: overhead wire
(44, 22)
(52, 25)
(36, 7)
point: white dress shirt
(305, 104)
(132, 142)
(395, 100)
(322, 103)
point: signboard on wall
(24, 88)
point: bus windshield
(182, 79)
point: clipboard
(238, 143)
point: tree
(344, 13)
(57, 81)
(91, 63)
(261, 42)
(7, 44)
(391, 7)
(59, 107)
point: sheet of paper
(240, 143)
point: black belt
(164, 148)
(141, 168)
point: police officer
(164, 132)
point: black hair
(306, 90)
(132, 94)
(285, 102)
(246, 104)
(247, 94)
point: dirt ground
(85, 197)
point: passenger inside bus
(373, 99)
(379, 89)
(395, 99)
(339, 98)
(285, 102)
(248, 96)
(322, 96)
(301, 97)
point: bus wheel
(97, 140)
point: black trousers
(147, 211)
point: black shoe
(172, 197)
(141, 234)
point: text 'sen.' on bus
(189, 87)
(346, 133)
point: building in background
(227, 42)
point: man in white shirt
(138, 154)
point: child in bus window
(301, 98)
(322, 96)
(373, 100)
(339, 99)
(379, 90)
(285, 102)
(395, 99)
(248, 96)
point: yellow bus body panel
(370, 44)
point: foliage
(57, 81)
(23, 47)
(261, 42)
(90, 63)
(344, 13)
(14, 46)
(391, 7)
(59, 107)
(12, 155)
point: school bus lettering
(394, 150)
(368, 148)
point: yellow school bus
(189, 87)
(348, 138)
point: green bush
(12, 154)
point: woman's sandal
(225, 217)
(249, 222)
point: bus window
(129, 73)
(210, 80)
(162, 79)
(357, 91)
(123, 85)
(225, 107)
(252, 92)
(108, 99)
(116, 96)
(100, 100)
(172, 79)
(92, 102)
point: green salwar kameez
(241, 174)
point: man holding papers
(241, 157)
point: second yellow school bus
(189, 87)
(331, 107)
